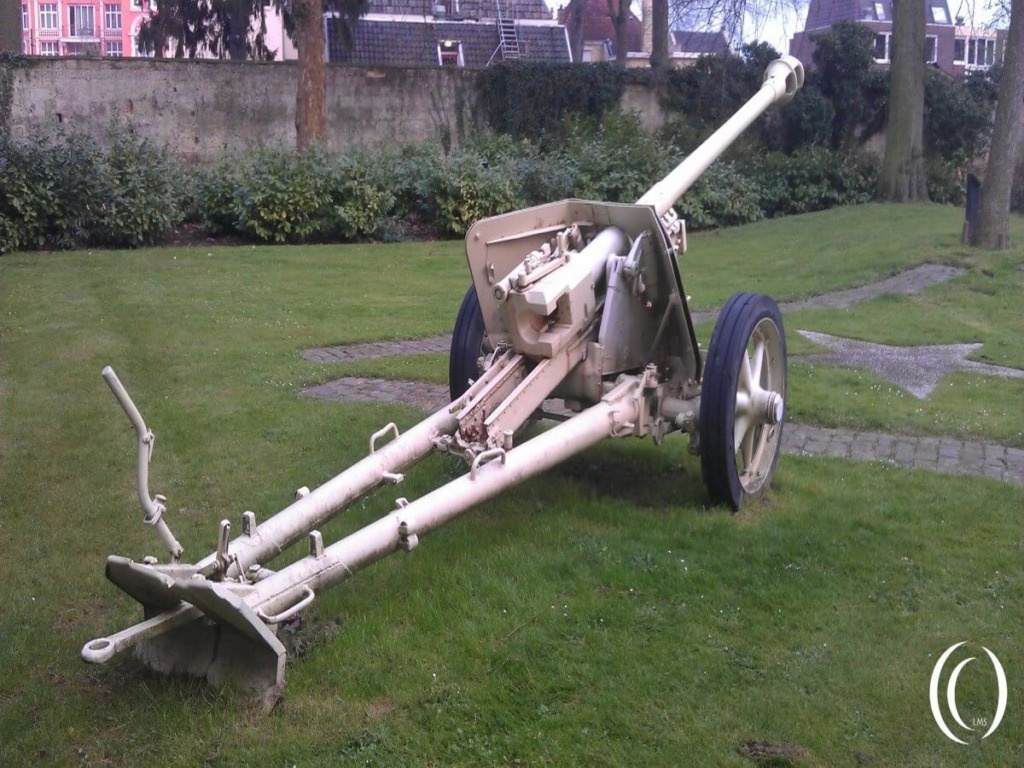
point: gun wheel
(743, 394)
(469, 342)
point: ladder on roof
(508, 35)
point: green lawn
(599, 615)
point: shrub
(212, 195)
(62, 190)
(721, 197)
(465, 187)
(284, 196)
(614, 160)
(50, 191)
(813, 179)
(361, 198)
(140, 190)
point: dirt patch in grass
(765, 753)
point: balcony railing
(112, 33)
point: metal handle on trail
(782, 79)
(308, 595)
(153, 508)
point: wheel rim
(759, 409)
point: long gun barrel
(782, 79)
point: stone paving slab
(428, 397)
(370, 350)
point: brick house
(449, 33)
(950, 45)
(598, 33)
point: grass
(596, 616)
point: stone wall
(200, 109)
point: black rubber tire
(467, 345)
(718, 454)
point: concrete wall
(200, 109)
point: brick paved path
(940, 454)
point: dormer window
(940, 14)
(880, 11)
(449, 53)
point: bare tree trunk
(10, 26)
(902, 177)
(659, 28)
(619, 12)
(310, 109)
(992, 231)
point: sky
(780, 29)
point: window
(986, 53)
(930, 47)
(48, 48)
(112, 17)
(959, 50)
(940, 14)
(82, 21)
(114, 48)
(882, 47)
(975, 53)
(24, 17)
(48, 19)
(880, 11)
(449, 53)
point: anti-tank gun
(578, 301)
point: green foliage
(614, 159)
(806, 121)
(529, 99)
(722, 197)
(212, 198)
(361, 197)
(709, 91)
(465, 187)
(284, 196)
(280, 196)
(63, 190)
(957, 115)
(843, 58)
(140, 191)
(947, 181)
(813, 179)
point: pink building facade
(108, 28)
(81, 27)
